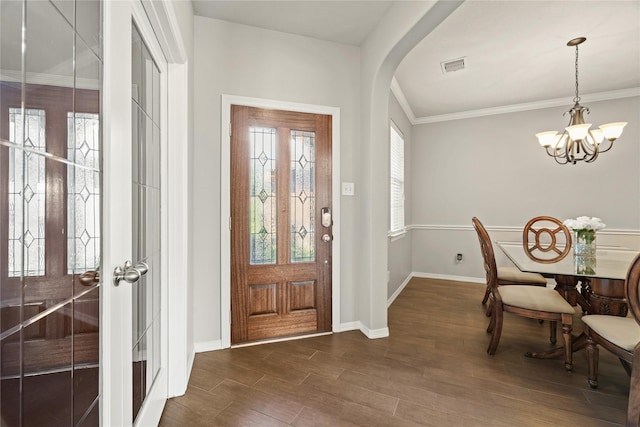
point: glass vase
(584, 265)
(584, 243)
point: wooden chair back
(546, 239)
(633, 299)
(488, 255)
(631, 288)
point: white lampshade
(547, 139)
(612, 131)
(578, 132)
(595, 137)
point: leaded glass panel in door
(27, 193)
(303, 230)
(83, 193)
(262, 194)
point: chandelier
(578, 142)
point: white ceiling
(515, 51)
(338, 21)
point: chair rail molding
(509, 228)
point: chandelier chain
(576, 99)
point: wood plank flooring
(433, 370)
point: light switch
(348, 189)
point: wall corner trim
(393, 297)
(201, 347)
(374, 333)
(359, 326)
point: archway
(405, 25)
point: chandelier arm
(557, 159)
(608, 148)
(587, 147)
(569, 150)
(592, 158)
(589, 151)
(556, 156)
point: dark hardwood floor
(432, 370)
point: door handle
(129, 273)
(88, 278)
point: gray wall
(399, 255)
(493, 168)
(184, 16)
(240, 60)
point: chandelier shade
(578, 142)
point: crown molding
(514, 108)
(50, 80)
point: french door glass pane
(262, 196)
(49, 340)
(147, 244)
(303, 226)
(83, 193)
(26, 193)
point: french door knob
(88, 278)
(129, 273)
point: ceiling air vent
(452, 65)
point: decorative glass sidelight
(83, 193)
(26, 193)
(262, 196)
(303, 200)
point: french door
(135, 304)
(50, 217)
(281, 223)
(82, 267)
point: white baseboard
(349, 326)
(359, 326)
(200, 347)
(214, 345)
(393, 297)
(450, 277)
(181, 388)
(374, 333)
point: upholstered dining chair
(534, 302)
(546, 239)
(621, 336)
(511, 275)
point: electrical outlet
(458, 258)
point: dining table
(596, 284)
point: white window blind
(396, 179)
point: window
(396, 178)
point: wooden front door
(280, 223)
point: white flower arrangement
(583, 223)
